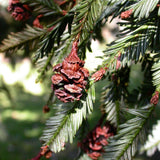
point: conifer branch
(143, 8)
(113, 8)
(87, 14)
(156, 75)
(109, 105)
(153, 141)
(54, 36)
(45, 7)
(63, 126)
(130, 48)
(63, 50)
(124, 145)
(115, 95)
(17, 40)
(70, 32)
(43, 65)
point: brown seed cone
(70, 77)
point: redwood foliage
(58, 34)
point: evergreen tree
(57, 35)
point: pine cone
(95, 141)
(70, 78)
(20, 12)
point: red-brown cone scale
(154, 100)
(96, 139)
(20, 11)
(70, 78)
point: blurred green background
(21, 99)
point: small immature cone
(46, 109)
(126, 14)
(98, 75)
(36, 22)
(154, 100)
(20, 11)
